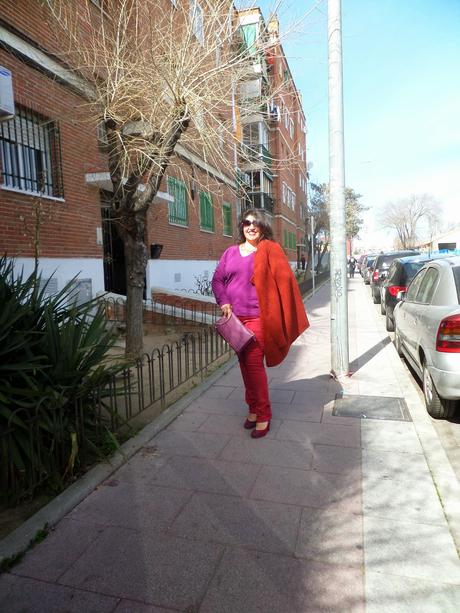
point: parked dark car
(400, 274)
(380, 268)
(366, 267)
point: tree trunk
(136, 264)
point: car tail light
(394, 289)
(448, 338)
(375, 275)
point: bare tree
(160, 74)
(405, 217)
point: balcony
(261, 200)
(255, 155)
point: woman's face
(251, 230)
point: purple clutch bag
(234, 332)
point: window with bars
(178, 211)
(206, 212)
(30, 154)
(197, 20)
(227, 219)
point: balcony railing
(255, 154)
(262, 200)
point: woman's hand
(226, 309)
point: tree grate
(371, 407)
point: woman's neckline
(244, 252)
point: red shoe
(260, 433)
(248, 424)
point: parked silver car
(427, 332)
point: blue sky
(401, 63)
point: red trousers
(253, 371)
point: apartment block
(55, 189)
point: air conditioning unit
(6, 94)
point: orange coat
(282, 311)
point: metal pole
(339, 301)
(312, 225)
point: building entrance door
(114, 253)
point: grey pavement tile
(410, 549)
(268, 452)
(234, 521)
(139, 506)
(140, 466)
(335, 459)
(161, 570)
(24, 595)
(233, 425)
(394, 594)
(222, 406)
(390, 435)
(309, 488)
(314, 433)
(252, 582)
(130, 606)
(319, 384)
(63, 545)
(238, 394)
(399, 497)
(298, 412)
(218, 391)
(188, 421)
(393, 463)
(206, 475)
(330, 536)
(196, 444)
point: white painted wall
(65, 269)
(178, 274)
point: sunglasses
(247, 222)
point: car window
(414, 286)
(427, 286)
(410, 270)
(456, 272)
(392, 270)
(370, 262)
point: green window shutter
(285, 238)
(227, 219)
(178, 213)
(206, 212)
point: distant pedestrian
(254, 281)
(351, 267)
(302, 261)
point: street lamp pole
(312, 227)
(339, 300)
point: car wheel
(375, 297)
(437, 407)
(397, 343)
(390, 326)
(382, 307)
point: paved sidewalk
(327, 513)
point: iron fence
(81, 433)
(307, 285)
(176, 309)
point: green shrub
(54, 372)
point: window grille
(30, 154)
(206, 212)
(227, 219)
(197, 20)
(178, 213)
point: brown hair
(264, 225)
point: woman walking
(253, 280)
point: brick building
(55, 187)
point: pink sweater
(233, 282)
